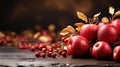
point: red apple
(101, 50)
(79, 46)
(107, 33)
(68, 49)
(89, 31)
(102, 23)
(116, 53)
(116, 23)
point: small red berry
(54, 55)
(50, 50)
(20, 43)
(63, 38)
(65, 50)
(4, 42)
(54, 46)
(44, 49)
(64, 54)
(21, 47)
(43, 55)
(26, 46)
(29, 46)
(49, 54)
(66, 40)
(36, 46)
(59, 52)
(32, 48)
(41, 46)
(37, 54)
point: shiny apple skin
(101, 24)
(107, 33)
(116, 23)
(101, 50)
(79, 46)
(116, 53)
(89, 31)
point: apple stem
(110, 19)
(97, 45)
(90, 21)
(97, 19)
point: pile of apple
(101, 40)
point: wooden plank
(12, 56)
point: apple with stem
(101, 50)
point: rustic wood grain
(13, 57)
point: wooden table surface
(14, 57)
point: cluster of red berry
(43, 49)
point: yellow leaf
(111, 10)
(69, 29)
(96, 16)
(117, 14)
(64, 32)
(82, 16)
(78, 29)
(79, 24)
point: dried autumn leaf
(78, 29)
(71, 29)
(36, 35)
(111, 10)
(117, 14)
(64, 32)
(67, 30)
(96, 16)
(105, 19)
(79, 24)
(44, 38)
(82, 16)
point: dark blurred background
(18, 15)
